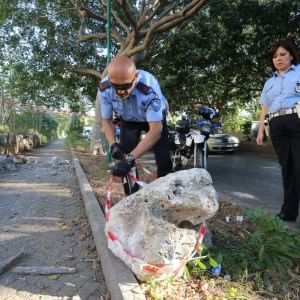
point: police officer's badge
(297, 88)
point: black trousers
(285, 136)
(131, 135)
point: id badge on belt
(267, 128)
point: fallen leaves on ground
(206, 288)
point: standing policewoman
(136, 97)
(279, 99)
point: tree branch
(126, 13)
(171, 21)
(166, 23)
(151, 16)
(100, 36)
(91, 37)
(86, 13)
(87, 71)
(116, 18)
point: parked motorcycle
(188, 142)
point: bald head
(121, 70)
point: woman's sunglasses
(123, 86)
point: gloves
(122, 168)
(116, 151)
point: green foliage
(200, 264)
(63, 125)
(38, 51)
(88, 121)
(267, 254)
(232, 122)
(31, 122)
(74, 138)
(155, 288)
(75, 126)
(77, 142)
(221, 57)
(49, 126)
(246, 129)
(44, 139)
(26, 121)
(4, 128)
(279, 247)
(271, 245)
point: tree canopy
(39, 50)
(48, 47)
(222, 55)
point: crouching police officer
(136, 97)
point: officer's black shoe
(284, 217)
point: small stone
(70, 284)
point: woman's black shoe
(284, 217)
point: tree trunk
(97, 139)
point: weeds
(261, 256)
(77, 142)
(266, 254)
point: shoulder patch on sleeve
(104, 85)
(155, 103)
(143, 88)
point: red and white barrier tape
(151, 174)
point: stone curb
(119, 279)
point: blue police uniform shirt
(279, 92)
(139, 106)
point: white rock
(147, 223)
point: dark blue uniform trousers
(131, 135)
(285, 136)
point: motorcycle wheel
(199, 160)
(176, 160)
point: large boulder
(28, 143)
(149, 228)
(20, 143)
(12, 148)
(36, 140)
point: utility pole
(108, 33)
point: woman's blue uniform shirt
(279, 91)
(140, 106)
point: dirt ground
(96, 169)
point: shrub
(44, 139)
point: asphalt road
(250, 177)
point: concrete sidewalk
(42, 214)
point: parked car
(87, 132)
(222, 142)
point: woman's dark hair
(290, 47)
